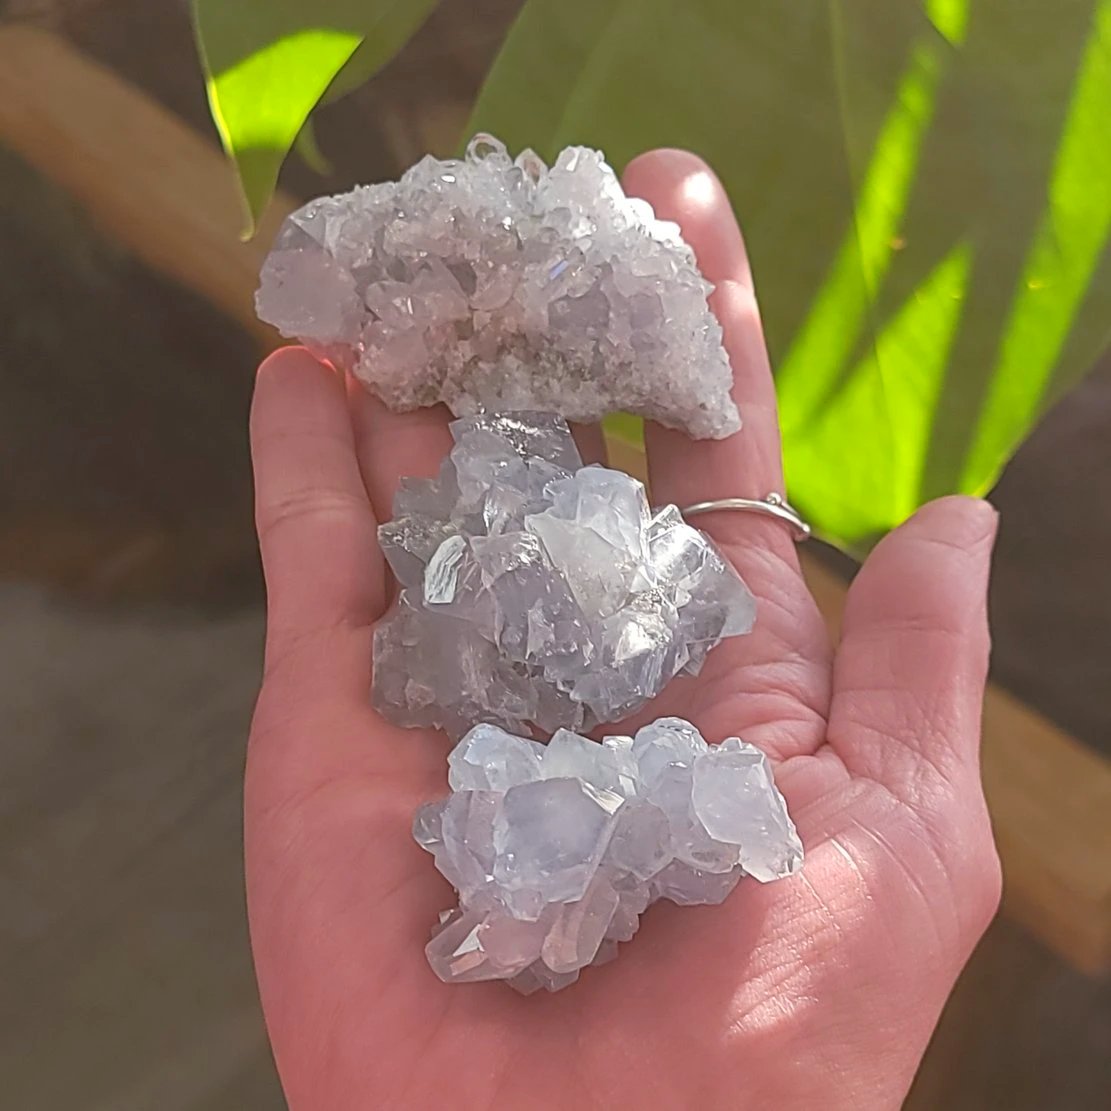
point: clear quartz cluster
(539, 594)
(489, 283)
(557, 850)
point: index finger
(317, 532)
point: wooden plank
(164, 193)
(150, 182)
(1050, 799)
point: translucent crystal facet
(539, 594)
(491, 284)
(557, 851)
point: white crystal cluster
(489, 283)
(540, 593)
(557, 850)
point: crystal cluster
(557, 850)
(489, 283)
(540, 593)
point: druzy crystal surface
(556, 850)
(539, 594)
(491, 283)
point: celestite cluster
(556, 850)
(491, 283)
(539, 594)
(540, 597)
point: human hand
(820, 991)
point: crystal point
(735, 800)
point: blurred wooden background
(131, 602)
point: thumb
(911, 668)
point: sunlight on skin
(1068, 245)
(698, 189)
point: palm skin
(816, 992)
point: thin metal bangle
(774, 505)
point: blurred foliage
(925, 188)
(268, 63)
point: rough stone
(539, 594)
(556, 863)
(492, 284)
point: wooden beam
(165, 194)
(149, 181)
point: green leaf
(309, 150)
(925, 189)
(269, 62)
(624, 426)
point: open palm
(820, 991)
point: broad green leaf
(309, 150)
(925, 189)
(269, 62)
